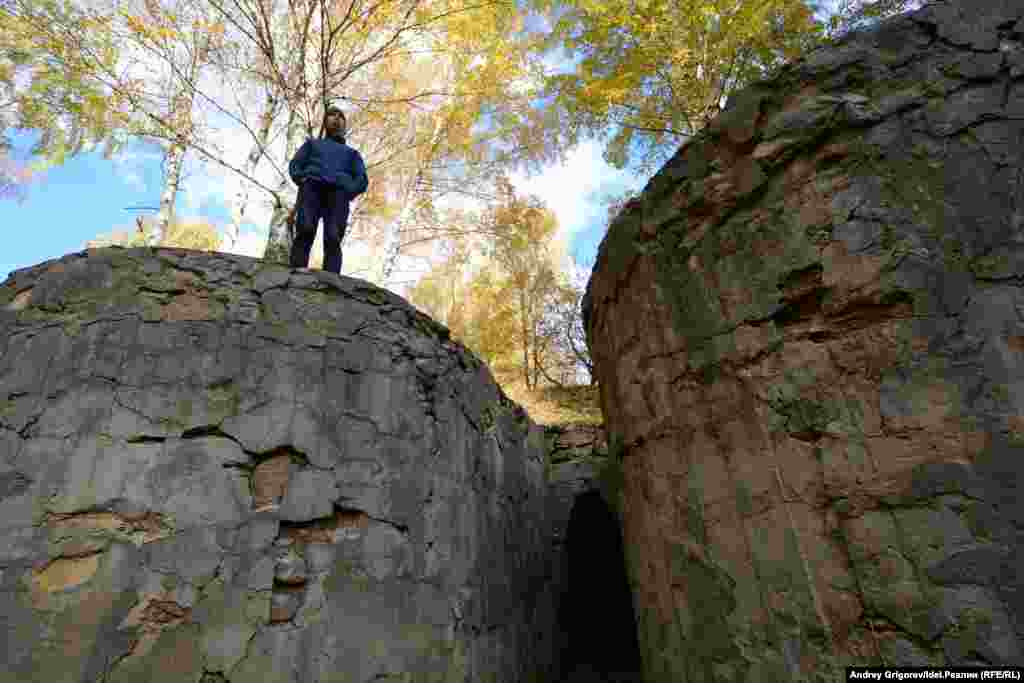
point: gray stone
(193, 555)
(290, 568)
(309, 495)
(978, 626)
(964, 108)
(140, 389)
(982, 566)
(902, 650)
(319, 556)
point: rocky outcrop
(808, 334)
(217, 469)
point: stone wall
(215, 469)
(808, 334)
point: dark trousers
(318, 200)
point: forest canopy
(444, 98)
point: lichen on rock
(214, 468)
(805, 333)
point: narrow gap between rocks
(596, 612)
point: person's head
(334, 122)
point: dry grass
(577, 404)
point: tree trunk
(526, 339)
(181, 115)
(173, 159)
(252, 161)
(538, 366)
(281, 236)
(394, 243)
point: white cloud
(569, 189)
(130, 164)
(250, 243)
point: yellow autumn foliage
(188, 234)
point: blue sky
(71, 204)
(88, 196)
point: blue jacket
(332, 161)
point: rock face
(808, 335)
(216, 469)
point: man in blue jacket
(330, 174)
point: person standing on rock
(330, 174)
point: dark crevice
(799, 309)
(808, 435)
(802, 295)
(803, 278)
(897, 297)
(402, 528)
(161, 292)
(596, 569)
(142, 438)
(26, 431)
(322, 528)
(293, 454)
(203, 430)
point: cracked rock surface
(217, 469)
(809, 336)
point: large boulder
(809, 336)
(216, 469)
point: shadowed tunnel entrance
(596, 612)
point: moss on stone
(489, 417)
(223, 400)
(376, 297)
(346, 573)
(429, 326)
(991, 266)
(744, 499)
(709, 599)
(611, 481)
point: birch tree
(653, 72)
(59, 97)
(199, 40)
(70, 47)
(483, 57)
